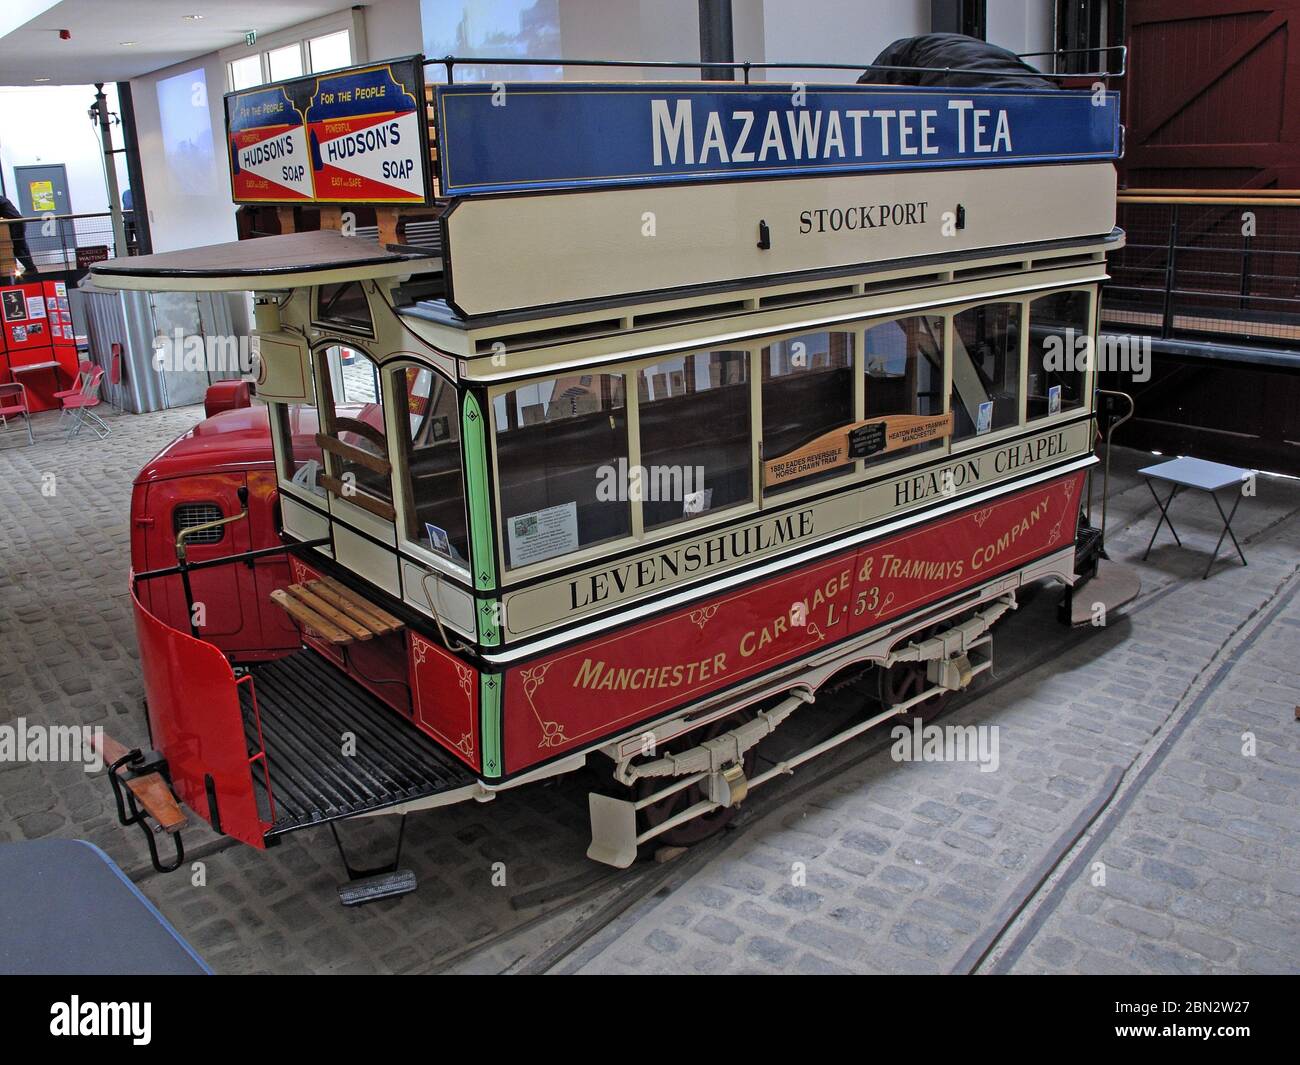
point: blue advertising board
(521, 137)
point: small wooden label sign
(858, 440)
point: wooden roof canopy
(290, 260)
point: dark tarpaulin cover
(957, 52)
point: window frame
(343, 326)
(795, 490)
(327, 428)
(858, 472)
(632, 413)
(1093, 292)
(956, 447)
(753, 503)
(869, 470)
(282, 444)
(351, 21)
(404, 504)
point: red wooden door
(1212, 99)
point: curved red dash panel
(197, 725)
(446, 698)
(611, 682)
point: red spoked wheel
(700, 828)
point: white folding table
(1203, 476)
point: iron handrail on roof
(450, 62)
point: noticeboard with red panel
(37, 341)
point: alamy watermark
(1069, 352)
(946, 743)
(620, 482)
(21, 742)
(217, 353)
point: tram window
(431, 471)
(807, 391)
(1058, 326)
(344, 304)
(904, 373)
(354, 418)
(696, 454)
(985, 369)
(305, 459)
(561, 445)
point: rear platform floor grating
(307, 706)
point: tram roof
(290, 260)
(557, 172)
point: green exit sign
(250, 38)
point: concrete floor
(1143, 816)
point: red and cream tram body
(707, 393)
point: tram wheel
(700, 828)
(904, 680)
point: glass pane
(904, 373)
(985, 369)
(330, 52)
(431, 460)
(306, 461)
(358, 419)
(1058, 350)
(695, 435)
(807, 391)
(344, 303)
(245, 73)
(561, 455)
(285, 62)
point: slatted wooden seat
(335, 612)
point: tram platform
(333, 749)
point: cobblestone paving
(909, 867)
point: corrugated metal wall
(135, 319)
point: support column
(717, 41)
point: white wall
(393, 28)
(831, 31)
(630, 29)
(49, 125)
(186, 177)
(1022, 26)
(188, 192)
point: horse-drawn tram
(695, 395)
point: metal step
(1114, 585)
(307, 708)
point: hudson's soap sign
(354, 136)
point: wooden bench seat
(334, 612)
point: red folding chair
(83, 374)
(13, 401)
(115, 375)
(80, 406)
